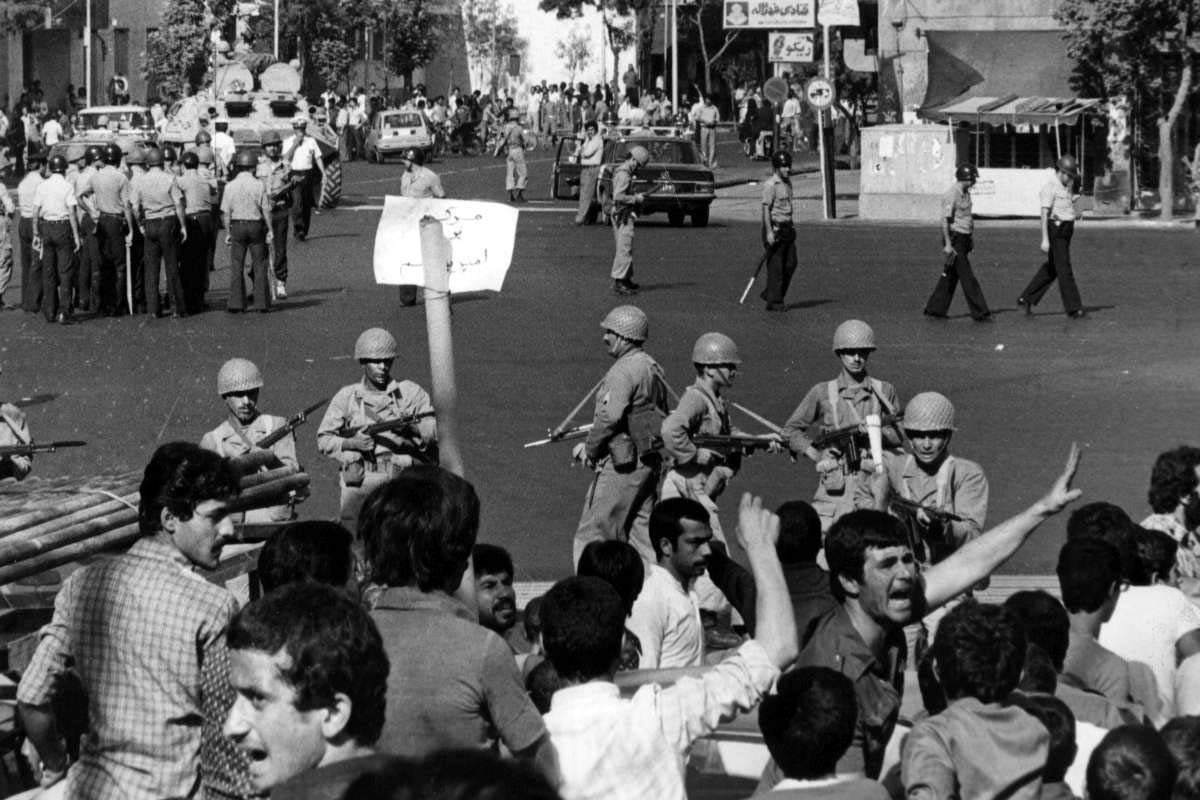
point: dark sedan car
(675, 181)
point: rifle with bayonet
(388, 426)
(32, 447)
(848, 440)
(290, 426)
(562, 435)
(736, 444)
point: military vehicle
(250, 111)
(128, 126)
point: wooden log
(110, 540)
(83, 515)
(68, 505)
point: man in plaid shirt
(146, 635)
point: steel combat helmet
(238, 375)
(629, 322)
(853, 334)
(715, 348)
(929, 411)
(375, 344)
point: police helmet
(966, 172)
(154, 157)
(93, 154)
(1069, 165)
(640, 154)
(245, 159)
(781, 159)
(715, 348)
(190, 160)
(113, 154)
(136, 156)
(203, 137)
(415, 156)
(299, 121)
(58, 163)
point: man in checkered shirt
(146, 635)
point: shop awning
(1001, 77)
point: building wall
(902, 25)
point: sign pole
(828, 163)
(436, 258)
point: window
(121, 51)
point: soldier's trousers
(618, 506)
(246, 236)
(279, 228)
(31, 268)
(58, 268)
(781, 263)
(87, 279)
(517, 172)
(193, 259)
(162, 244)
(622, 266)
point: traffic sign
(819, 93)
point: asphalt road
(1119, 382)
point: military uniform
(230, 439)
(109, 191)
(358, 405)
(621, 497)
(198, 191)
(957, 211)
(248, 212)
(14, 430)
(276, 177)
(517, 172)
(699, 412)
(54, 203)
(31, 263)
(623, 216)
(137, 247)
(156, 198)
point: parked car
(677, 182)
(394, 131)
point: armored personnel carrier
(251, 111)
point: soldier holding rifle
(829, 425)
(14, 430)
(376, 427)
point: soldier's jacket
(275, 175)
(358, 405)
(14, 429)
(230, 440)
(635, 380)
(514, 140)
(622, 181)
(853, 401)
(699, 412)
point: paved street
(1118, 382)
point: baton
(271, 268)
(129, 275)
(754, 277)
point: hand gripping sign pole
(436, 259)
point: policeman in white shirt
(303, 155)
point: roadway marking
(527, 210)
(499, 164)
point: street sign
(775, 90)
(742, 14)
(819, 93)
(790, 46)
(838, 12)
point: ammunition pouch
(623, 452)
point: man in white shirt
(303, 155)
(52, 132)
(618, 749)
(223, 147)
(591, 155)
(666, 615)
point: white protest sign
(481, 239)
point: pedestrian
(303, 155)
(514, 141)
(367, 460)
(87, 285)
(417, 181)
(224, 148)
(837, 404)
(624, 213)
(198, 192)
(58, 239)
(590, 155)
(157, 202)
(958, 225)
(7, 211)
(779, 231)
(631, 403)
(276, 175)
(246, 212)
(31, 261)
(707, 117)
(1058, 198)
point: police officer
(779, 231)
(277, 178)
(239, 383)
(208, 170)
(590, 155)
(630, 406)
(7, 228)
(171, 160)
(367, 461)
(1058, 198)
(958, 224)
(157, 201)
(107, 192)
(303, 155)
(87, 280)
(58, 238)
(624, 212)
(515, 141)
(14, 430)
(246, 211)
(203, 149)
(135, 161)
(418, 181)
(198, 193)
(31, 263)
(842, 402)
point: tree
(615, 15)
(575, 51)
(321, 30)
(414, 31)
(178, 53)
(1142, 49)
(492, 35)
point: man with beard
(238, 384)
(494, 595)
(1176, 506)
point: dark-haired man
(494, 595)
(453, 683)
(310, 673)
(1175, 502)
(1130, 763)
(147, 638)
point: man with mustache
(494, 595)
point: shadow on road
(820, 301)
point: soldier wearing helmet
(199, 190)
(514, 141)
(368, 460)
(276, 175)
(417, 180)
(14, 430)
(31, 263)
(246, 212)
(238, 384)
(1058, 198)
(624, 211)
(54, 219)
(958, 225)
(778, 231)
(631, 403)
(105, 193)
(842, 403)
(203, 148)
(303, 157)
(157, 205)
(87, 276)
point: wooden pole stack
(51, 529)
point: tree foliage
(322, 31)
(178, 54)
(575, 51)
(414, 31)
(614, 13)
(492, 35)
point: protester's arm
(775, 630)
(36, 691)
(1187, 687)
(977, 559)
(507, 705)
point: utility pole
(87, 51)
